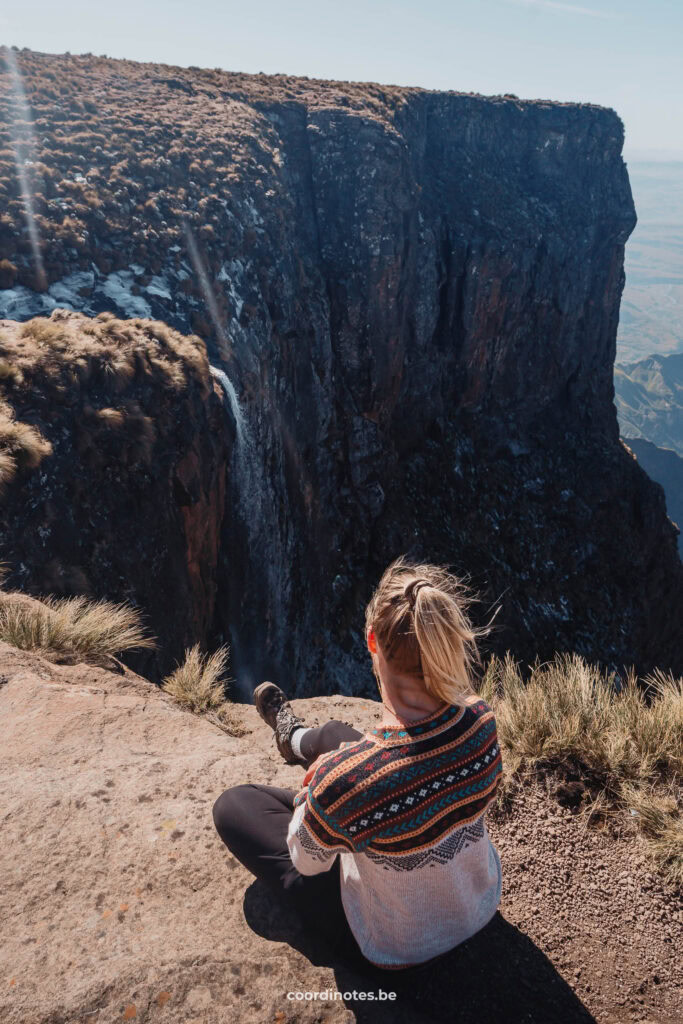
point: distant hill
(666, 467)
(651, 315)
(649, 400)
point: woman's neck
(406, 703)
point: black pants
(252, 820)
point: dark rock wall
(129, 503)
(463, 407)
(420, 294)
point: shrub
(8, 273)
(199, 684)
(21, 445)
(624, 739)
(71, 625)
(569, 711)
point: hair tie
(412, 590)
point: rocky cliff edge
(121, 904)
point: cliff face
(415, 296)
(118, 445)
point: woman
(403, 805)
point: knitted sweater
(405, 810)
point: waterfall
(251, 503)
(233, 401)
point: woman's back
(404, 807)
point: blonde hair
(418, 614)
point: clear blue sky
(624, 54)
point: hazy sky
(624, 54)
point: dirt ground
(592, 905)
(120, 903)
(586, 931)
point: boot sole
(286, 753)
(258, 693)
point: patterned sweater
(405, 810)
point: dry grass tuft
(8, 273)
(114, 419)
(658, 816)
(199, 684)
(230, 719)
(8, 468)
(41, 329)
(9, 372)
(72, 625)
(69, 348)
(22, 446)
(570, 710)
(625, 741)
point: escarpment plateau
(415, 296)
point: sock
(295, 741)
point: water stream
(248, 486)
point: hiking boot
(276, 711)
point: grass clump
(623, 739)
(569, 710)
(102, 353)
(41, 329)
(22, 446)
(658, 817)
(71, 625)
(8, 273)
(199, 683)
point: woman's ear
(372, 643)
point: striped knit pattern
(404, 809)
(401, 791)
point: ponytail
(418, 614)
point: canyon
(414, 297)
